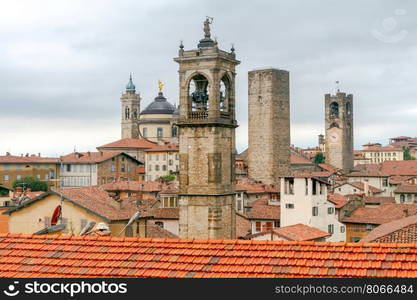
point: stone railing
(195, 115)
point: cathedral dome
(159, 106)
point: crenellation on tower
(269, 125)
(339, 130)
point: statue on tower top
(207, 22)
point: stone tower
(269, 125)
(339, 130)
(130, 102)
(207, 140)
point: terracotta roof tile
(90, 157)
(384, 213)
(403, 230)
(130, 143)
(337, 199)
(214, 258)
(27, 159)
(407, 188)
(297, 232)
(262, 211)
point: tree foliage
(407, 155)
(32, 183)
(168, 178)
(319, 158)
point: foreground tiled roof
(398, 231)
(382, 214)
(297, 232)
(130, 143)
(90, 256)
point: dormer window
(169, 201)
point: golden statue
(160, 86)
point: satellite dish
(87, 227)
(56, 215)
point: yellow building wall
(32, 218)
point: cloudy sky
(64, 64)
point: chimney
(39, 154)
(366, 188)
(405, 212)
(89, 153)
(7, 153)
(27, 155)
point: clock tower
(130, 104)
(339, 130)
(207, 140)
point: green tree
(319, 158)
(407, 155)
(168, 178)
(32, 183)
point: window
(239, 205)
(160, 224)
(6, 177)
(258, 226)
(129, 231)
(355, 239)
(174, 131)
(306, 183)
(177, 156)
(315, 211)
(330, 228)
(150, 168)
(289, 186)
(38, 176)
(369, 227)
(289, 205)
(156, 167)
(18, 177)
(145, 132)
(159, 132)
(6, 167)
(123, 168)
(276, 224)
(164, 167)
(46, 176)
(334, 110)
(268, 226)
(157, 156)
(170, 162)
(342, 229)
(113, 168)
(385, 182)
(314, 182)
(68, 168)
(330, 210)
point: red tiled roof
(378, 199)
(27, 159)
(361, 186)
(130, 143)
(254, 188)
(298, 159)
(403, 230)
(381, 214)
(297, 232)
(386, 168)
(155, 231)
(337, 199)
(164, 148)
(382, 149)
(138, 186)
(329, 168)
(407, 188)
(243, 225)
(262, 211)
(91, 256)
(397, 179)
(163, 213)
(89, 157)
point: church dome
(159, 106)
(130, 87)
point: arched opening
(348, 109)
(334, 125)
(198, 95)
(334, 110)
(224, 97)
(127, 113)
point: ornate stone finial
(206, 28)
(181, 45)
(233, 48)
(160, 86)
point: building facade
(207, 140)
(161, 161)
(269, 125)
(339, 130)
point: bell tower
(130, 102)
(207, 140)
(339, 130)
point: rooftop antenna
(337, 86)
(135, 216)
(87, 227)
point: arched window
(334, 110)
(160, 224)
(224, 96)
(127, 113)
(145, 132)
(198, 92)
(334, 125)
(135, 113)
(174, 131)
(348, 108)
